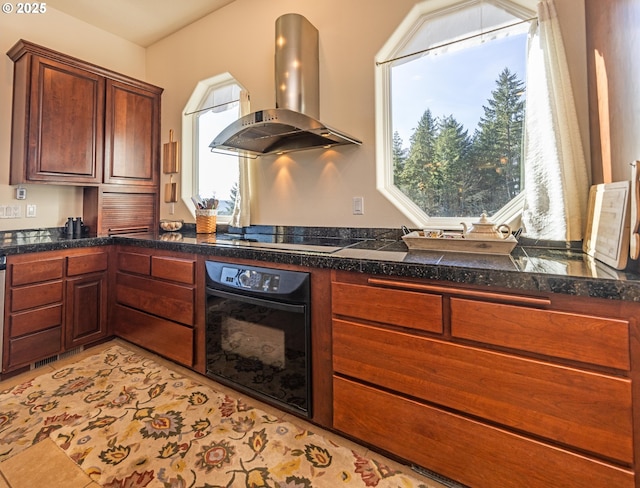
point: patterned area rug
(130, 422)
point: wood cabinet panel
(58, 296)
(75, 123)
(469, 451)
(32, 321)
(132, 262)
(87, 263)
(65, 130)
(126, 212)
(132, 135)
(595, 340)
(167, 338)
(590, 411)
(35, 269)
(420, 311)
(35, 295)
(173, 269)
(86, 309)
(173, 302)
(34, 347)
(57, 125)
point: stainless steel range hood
(293, 125)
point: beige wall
(311, 188)
(62, 33)
(306, 188)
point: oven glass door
(261, 347)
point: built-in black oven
(258, 332)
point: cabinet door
(65, 132)
(131, 135)
(86, 311)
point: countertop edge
(621, 286)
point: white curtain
(241, 216)
(556, 175)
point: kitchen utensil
(170, 191)
(634, 239)
(171, 156)
(171, 165)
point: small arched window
(214, 104)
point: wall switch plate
(358, 205)
(10, 211)
(31, 210)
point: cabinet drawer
(573, 407)
(174, 269)
(33, 347)
(36, 271)
(595, 340)
(420, 311)
(35, 320)
(166, 338)
(35, 295)
(172, 302)
(87, 263)
(468, 451)
(134, 263)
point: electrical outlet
(10, 211)
(31, 210)
(358, 205)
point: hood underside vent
(293, 125)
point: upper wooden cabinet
(75, 123)
(131, 134)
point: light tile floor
(57, 470)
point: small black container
(77, 228)
(68, 228)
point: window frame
(190, 173)
(420, 13)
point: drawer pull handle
(128, 230)
(459, 291)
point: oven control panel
(250, 279)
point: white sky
(217, 172)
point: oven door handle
(286, 307)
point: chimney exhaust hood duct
(293, 125)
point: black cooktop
(289, 242)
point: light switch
(358, 205)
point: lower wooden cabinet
(154, 301)
(56, 301)
(487, 388)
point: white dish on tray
(417, 240)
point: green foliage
(447, 173)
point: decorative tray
(456, 242)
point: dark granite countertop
(381, 251)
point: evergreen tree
(419, 169)
(233, 193)
(448, 174)
(498, 140)
(399, 156)
(451, 153)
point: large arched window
(214, 104)
(451, 93)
